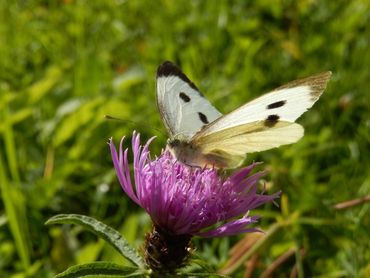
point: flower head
(189, 201)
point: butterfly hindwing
(233, 143)
(227, 148)
(183, 108)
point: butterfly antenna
(109, 117)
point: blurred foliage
(65, 64)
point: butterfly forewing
(286, 103)
(183, 108)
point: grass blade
(16, 224)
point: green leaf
(100, 269)
(100, 229)
(203, 264)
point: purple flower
(189, 201)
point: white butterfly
(201, 136)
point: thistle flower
(183, 201)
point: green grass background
(65, 64)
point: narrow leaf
(110, 235)
(99, 269)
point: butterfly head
(183, 151)
(173, 143)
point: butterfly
(201, 136)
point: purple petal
(185, 200)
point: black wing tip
(325, 74)
(322, 76)
(168, 68)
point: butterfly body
(192, 155)
(201, 136)
(185, 152)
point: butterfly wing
(227, 148)
(264, 123)
(183, 108)
(285, 103)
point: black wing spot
(203, 118)
(276, 104)
(271, 120)
(184, 97)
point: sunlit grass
(66, 64)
